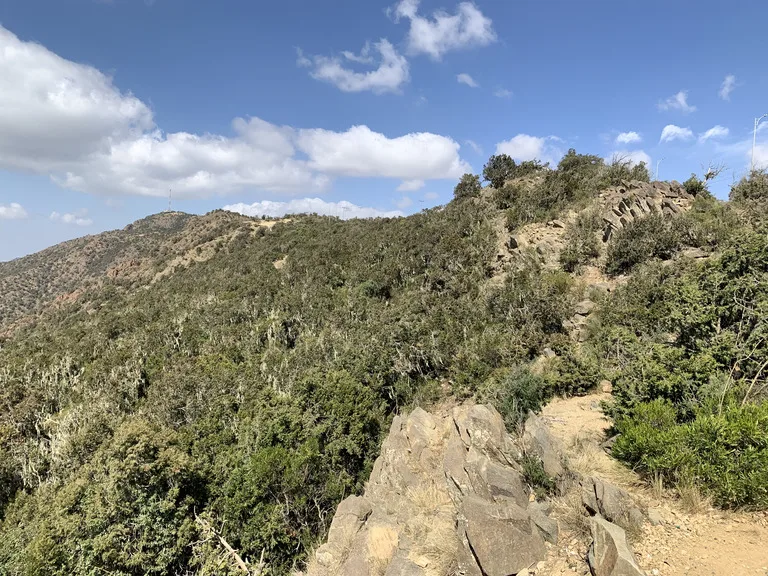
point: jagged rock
(585, 307)
(549, 353)
(606, 386)
(546, 525)
(610, 554)
(558, 224)
(694, 253)
(512, 243)
(455, 480)
(609, 501)
(500, 537)
(546, 447)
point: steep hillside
(206, 401)
(132, 254)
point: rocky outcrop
(446, 495)
(635, 199)
(610, 554)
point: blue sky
(372, 107)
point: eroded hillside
(204, 409)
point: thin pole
(170, 194)
(657, 168)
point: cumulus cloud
(343, 209)
(633, 156)
(411, 186)
(761, 156)
(392, 72)
(679, 102)
(445, 32)
(628, 138)
(467, 79)
(71, 122)
(361, 152)
(503, 93)
(714, 132)
(729, 83)
(12, 211)
(79, 219)
(525, 147)
(672, 132)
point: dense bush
(686, 348)
(501, 168)
(640, 240)
(752, 188)
(468, 187)
(582, 241)
(726, 452)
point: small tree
(498, 170)
(694, 186)
(468, 187)
(753, 188)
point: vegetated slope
(242, 396)
(31, 282)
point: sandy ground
(704, 542)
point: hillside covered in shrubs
(238, 396)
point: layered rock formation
(634, 199)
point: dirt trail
(708, 542)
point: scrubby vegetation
(239, 397)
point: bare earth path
(706, 542)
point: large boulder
(610, 554)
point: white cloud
(475, 146)
(431, 196)
(628, 138)
(71, 122)
(341, 209)
(633, 156)
(679, 102)
(672, 132)
(445, 32)
(79, 219)
(411, 186)
(503, 93)
(525, 147)
(714, 132)
(392, 73)
(404, 202)
(761, 156)
(467, 79)
(363, 153)
(12, 211)
(729, 83)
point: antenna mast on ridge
(170, 194)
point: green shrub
(499, 169)
(694, 186)
(752, 188)
(582, 241)
(542, 484)
(468, 187)
(622, 168)
(725, 453)
(514, 394)
(639, 241)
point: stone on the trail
(655, 517)
(611, 502)
(546, 525)
(606, 386)
(585, 307)
(610, 554)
